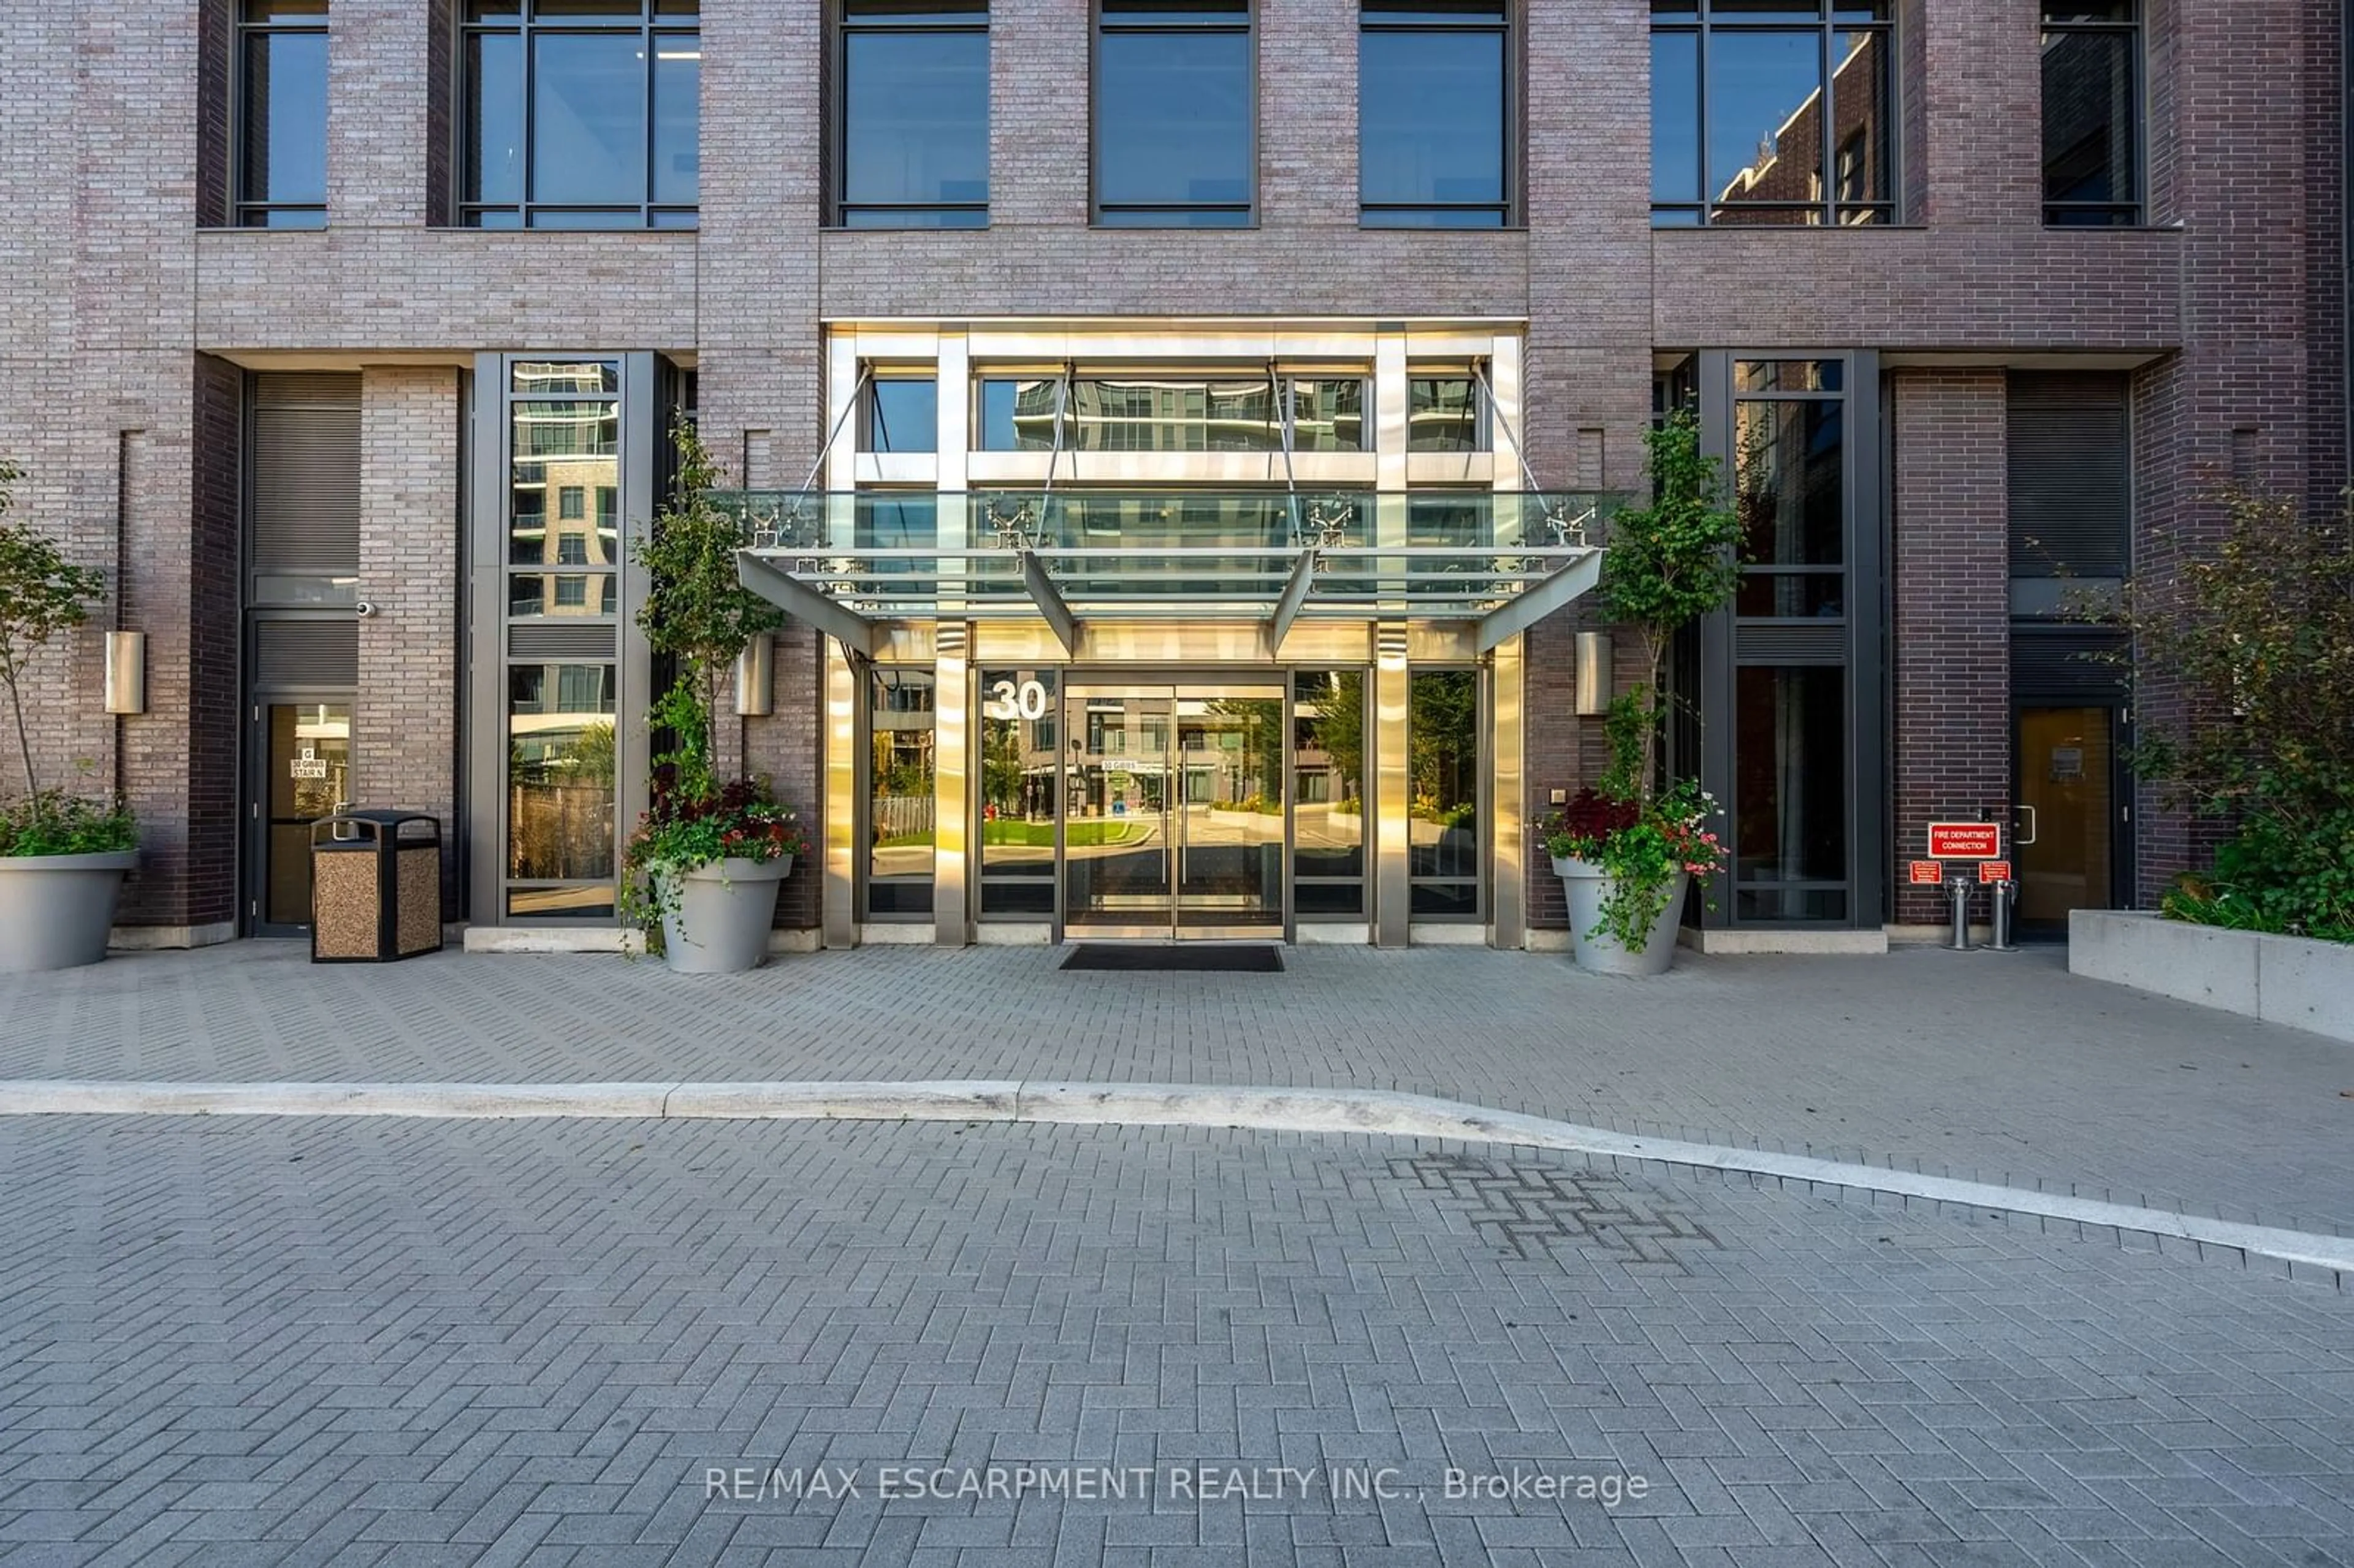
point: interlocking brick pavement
(1995, 1067)
(259, 1341)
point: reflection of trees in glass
(1001, 767)
(1335, 725)
(1442, 743)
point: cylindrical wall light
(126, 672)
(1593, 673)
(756, 677)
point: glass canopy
(1504, 560)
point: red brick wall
(1950, 630)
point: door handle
(2020, 837)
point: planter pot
(57, 909)
(723, 910)
(1584, 884)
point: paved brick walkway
(1995, 1067)
(410, 1342)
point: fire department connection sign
(1965, 840)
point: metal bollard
(2003, 894)
(1961, 941)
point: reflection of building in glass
(1788, 179)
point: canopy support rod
(1295, 598)
(856, 634)
(1050, 603)
(1563, 584)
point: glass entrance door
(305, 758)
(2067, 831)
(1175, 812)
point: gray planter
(1584, 885)
(57, 909)
(720, 925)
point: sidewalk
(1990, 1067)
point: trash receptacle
(376, 888)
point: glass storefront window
(1328, 763)
(1443, 759)
(1790, 850)
(560, 775)
(1443, 414)
(1019, 736)
(901, 722)
(1789, 488)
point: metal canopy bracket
(855, 633)
(1295, 598)
(1565, 583)
(1049, 600)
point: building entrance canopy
(849, 564)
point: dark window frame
(249, 213)
(1173, 17)
(1701, 20)
(850, 21)
(653, 22)
(2105, 214)
(1471, 16)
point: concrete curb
(1356, 1111)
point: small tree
(2243, 665)
(696, 610)
(41, 594)
(1668, 564)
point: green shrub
(54, 822)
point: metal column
(845, 684)
(951, 802)
(1508, 861)
(1393, 826)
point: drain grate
(1530, 1209)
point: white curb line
(1377, 1111)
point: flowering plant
(687, 828)
(1642, 845)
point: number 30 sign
(1010, 702)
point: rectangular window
(582, 113)
(570, 502)
(1175, 123)
(2091, 112)
(560, 826)
(281, 108)
(913, 125)
(900, 797)
(1443, 414)
(1772, 111)
(1443, 755)
(1434, 114)
(1018, 760)
(902, 415)
(1328, 760)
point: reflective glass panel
(560, 824)
(1173, 416)
(1761, 146)
(1430, 126)
(285, 111)
(915, 121)
(1790, 769)
(900, 797)
(1442, 414)
(535, 594)
(678, 83)
(1810, 596)
(1789, 487)
(1328, 761)
(1327, 416)
(560, 445)
(494, 118)
(1173, 119)
(588, 119)
(1859, 106)
(902, 415)
(2090, 141)
(1675, 117)
(1442, 758)
(1019, 415)
(1019, 712)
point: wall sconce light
(756, 677)
(1593, 673)
(126, 672)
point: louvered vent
(306, 474)
(2071, 480)
(594, 641)
(2055, 665)
(305, 653)
(1790, 642)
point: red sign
(1965, 840)
(1928, 872)
(1993, 871)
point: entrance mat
(1224, 957)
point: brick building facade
(136, 317)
